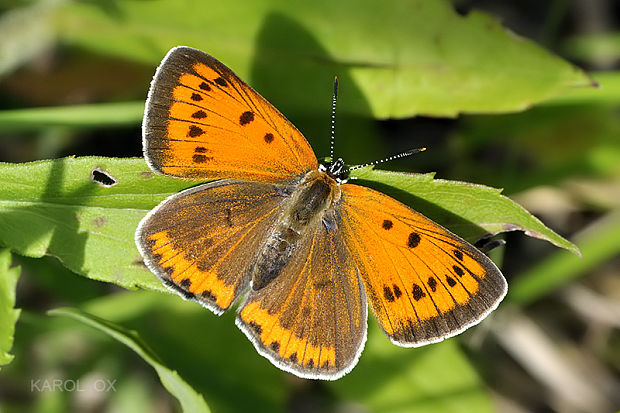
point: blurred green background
(502, 93)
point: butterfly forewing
(200, 241)
(202, 121)
(423, 282)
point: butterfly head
(336, 170)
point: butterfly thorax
(307, 207)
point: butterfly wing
(199, 242)
(201, 121)
(311, 319)
(423, 282)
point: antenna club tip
(422, 149)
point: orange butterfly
(306, 249)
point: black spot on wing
(195, 131)
(397, 292)
(246, 117)
(414, 240)
(199, 114)
(186, 294)
(207, 294)
(256, 327)
(417, 292)
(198, 158)
(432, 283)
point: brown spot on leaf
(100, 221)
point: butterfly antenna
(389, 158)
(333, 137)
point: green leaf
(598, 243)
(87, 116)
(607, 92)
(208, 351)
(8, 314)
(435, 378)
(469, 210)
(407, 57)
(53, 208)
(190, 400)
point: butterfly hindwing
(201, 121)
(199, 242)
(423, 282)
(311, 319)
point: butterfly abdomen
(307, 206)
